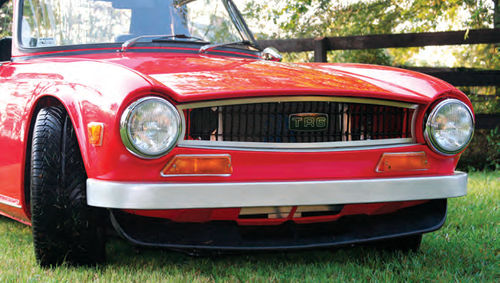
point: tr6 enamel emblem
(308, 122)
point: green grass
(466, 249)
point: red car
(167, 118)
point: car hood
(201, 77)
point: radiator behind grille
(269, 122)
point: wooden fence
(455, 76)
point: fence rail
(455, 76)
(462, 76)
(487, 121)
(473, 36)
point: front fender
(89, 91)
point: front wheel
(65, 228)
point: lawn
(466, 249)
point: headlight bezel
(428, 134)
(125, 126)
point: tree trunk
(496, 14)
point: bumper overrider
(132, 195)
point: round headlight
(449, 127)
(150, 127)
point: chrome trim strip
(319, 149)
(196, 175)
(413, 122)
(329, 146)
(251, 100)
(128, 195)
(10, 201)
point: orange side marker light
(198, 165)
(402, 161)
(95, 132)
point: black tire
(65, 228)
(404, 244)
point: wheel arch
(75, 117)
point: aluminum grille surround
(272, 122)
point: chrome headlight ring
(150, 127)
(449, 127)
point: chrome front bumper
(128, 195)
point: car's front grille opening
(318, 213)
(280, 212)
(298, 122)
(254, 216)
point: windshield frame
(239, 21)
(234, 14)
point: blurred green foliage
(312, 18)
(6, 20)
(483, 152)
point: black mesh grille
(270, 122)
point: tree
(6, 20)
(311, 18)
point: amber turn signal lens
(203, 165)
(95, 131)
(402, 161)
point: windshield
(46, 23)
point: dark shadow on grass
(121, 253)
(7, 220)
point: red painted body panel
(193, 77)
(278, 166)
(96, 87)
